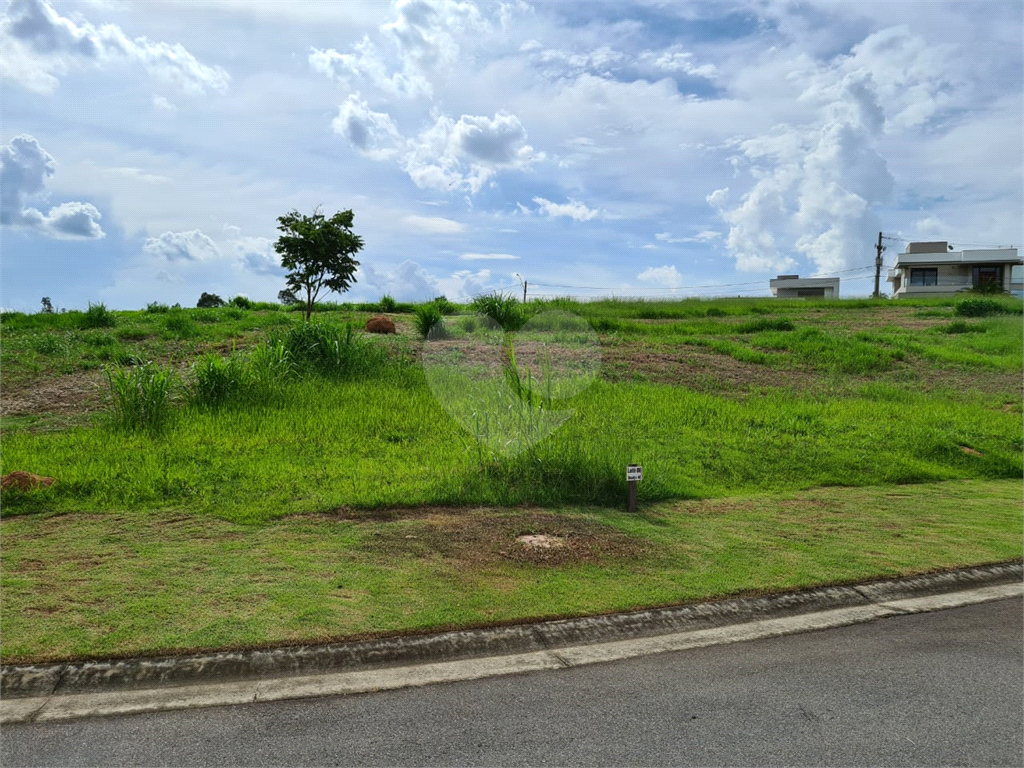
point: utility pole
(878, 263)
(524, 291)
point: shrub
(287, 297)
(977, 308)
(180, 325)
(47, 306)
(765, 324)
(154, 308)
(714, 312)
(241, 302)
(140, 397)
(468, 324)
(430, 322)
(98, 316)
(502, 309)
(209, 301)
(387, 303)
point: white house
(934, 269)
(796, 287)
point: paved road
(930, 689)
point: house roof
(985, 256)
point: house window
(987, 275)
(924, 276)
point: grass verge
(88, 586)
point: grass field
(326, 497)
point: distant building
(796, 287)
(934, 269)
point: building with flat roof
(935, 269)
(796, 287)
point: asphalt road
(944, 688)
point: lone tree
(317, 252)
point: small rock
(25, 481)
(380, 325)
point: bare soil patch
(489, 537)
(74, 393)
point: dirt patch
(490, 537)
(697, 369)
(74, 393)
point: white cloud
(704, 236)
(372, 133)
(487, 257)
(574, 209)
(433, 225)
(43, 44)
(256, 254)
(161, 102)
(24, 168)
(409, 281)
(667, 276)
(182, 246)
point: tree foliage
(210, 301)
(318, 253)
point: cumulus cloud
(42, 44)
(257, 254)
(372, 133)
(816, 185)
(409, 281)
(182, 246)
(163, 103)
(422, 41)
(433, 225)
(574, 209)
(24, 168)
(667, 276)
(465, 154)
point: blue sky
(648, 149)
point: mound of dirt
(380, 325)
(25, 481)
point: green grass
(87, 586)
(876, 421)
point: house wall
(952, 278)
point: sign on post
(634, 474)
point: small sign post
(634, 474)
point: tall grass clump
(444, 306)
(765, 324)
(330, 350)
(98, 316)
(180, 325)
(978, 308)
(141, 397)
(430, 322)
(387, 303)
(216, 381)
(156, 308)
(959, 326)
(502, 309)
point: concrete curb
(55, 680)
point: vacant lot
(343, 500)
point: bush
(430, 322)
(714, 312)
(98, 316)
(210, 301)
(468, 324)
(141, 397)
(387, 303)
(47, 306)
(154, 308)
(502, 309)
(217, 380)
(287, 297)
(765, 324)
(241, 302)
(180, 325)
(978, 308)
